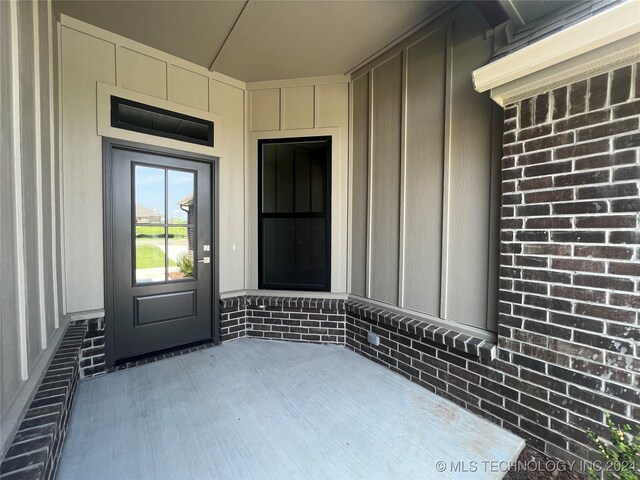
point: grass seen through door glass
(155, 232)
(150, 256)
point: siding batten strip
(52, 169)
(37, 114)
(446, 170)
(369, 186)
(403, 171)
(62, 298)
(349, 259)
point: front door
(159, 240)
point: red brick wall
(570, 260)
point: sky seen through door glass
(150, 191)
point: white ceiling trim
(611, 26)
(299, 82)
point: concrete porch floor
(272, 410)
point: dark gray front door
(161, 251)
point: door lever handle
(205, 260)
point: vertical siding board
(228, 102)
(385, 169)
(10, 301)
(360, 185)
(424, 171)
(446, 171)
(48, 215)
(469, 179)
(85, 60)
(29, 177)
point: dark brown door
(161, 251)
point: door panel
(161, 222)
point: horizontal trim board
(298, 82)
(600, 30)
(285, 293)
(85, 315)
(606, 58)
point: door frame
(107, 145)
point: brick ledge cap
(466, 343)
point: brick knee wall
(275, 318)
(92, 353)
(232, 318)
(36, 448)
(283, 318)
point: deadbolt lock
(206, 247)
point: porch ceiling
(260, 40)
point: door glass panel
(165, 243)
(269, 178)
(317, 184)
(284, 179)
(180, 186)
(150, 254)
(149, 194)
(181, 252)
(294, 251)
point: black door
(159, 251)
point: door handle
(205, 260)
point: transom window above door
(164, 224)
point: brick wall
(274, 318)
(232, 318)
(283, 318)
(570, 258)
(92, 355)
(36, 448)
(569, 276)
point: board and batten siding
(423, 223)
(91, 56)
(301, 108)
(30, 323)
